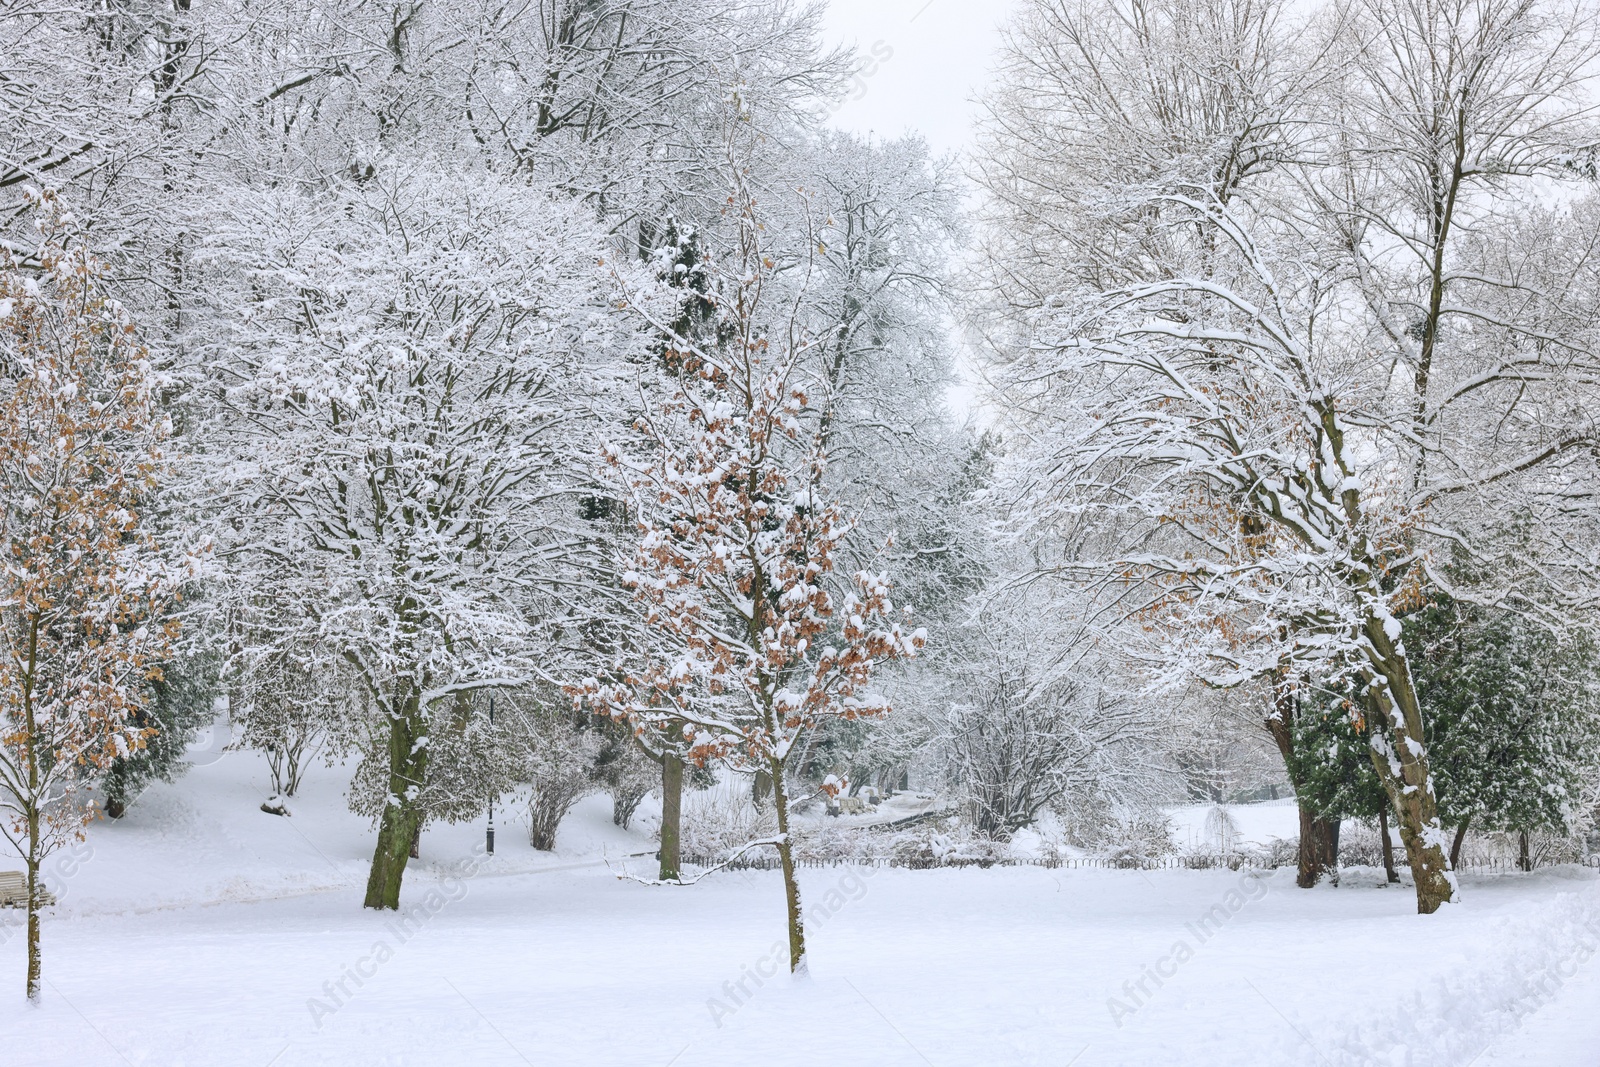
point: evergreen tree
(1331, 767)
(181, 704)
(1512, 718)
(1512, 711)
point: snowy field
(200, 931)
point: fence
(1232, 862)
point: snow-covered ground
(200, 931)
(1257, 824)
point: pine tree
(1331, 767)
(1514, 716)
(180, 704)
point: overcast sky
(940, 53)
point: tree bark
(1524, 860)
(1455, 846)
(1401, 760)
(1319, 849)
(389, 858)
(1394, 714)
(1387, 844)
(1319, 837)
(35, 956)
(402, 819)
(671, 815)
(791, 886)
(35, 837)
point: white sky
(941, 55)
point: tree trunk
(1319, 849)
(671, 815)
(35, 958)
(1455, 846)
(1319, 837)
(791, 887)
(1394, 714)
(1401, 760)
(35, 837)
(415, 851)
(1390, 873)
(1524, 861)
(401, 820)
(389, 859)
(296, 751)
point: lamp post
(489, 836)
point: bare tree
(1035, 714)
(1225, 448)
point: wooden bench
(14, 891)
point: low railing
(1232, 862)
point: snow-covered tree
(1036, 714)
(561, 765)
(86, 594)
(737, 550)
(887, 235)
(879, 297)
(78, 112)
(620, 102)
(874, 241)
(1206, 356)
(1512, 716)
(182, 702)
(410, 396)
(292, 704)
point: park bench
(14, 891)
